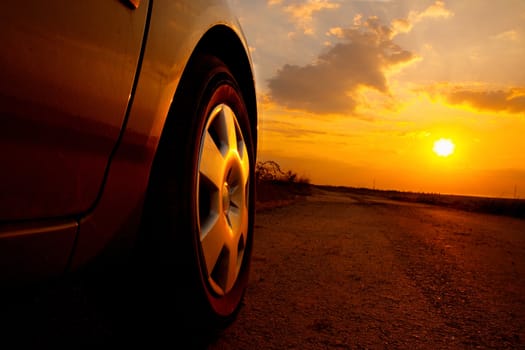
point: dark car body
(86, 91)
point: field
(282, 192)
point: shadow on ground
(93, 309)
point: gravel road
(342, 272)
(331, 271)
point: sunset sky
(355, 93)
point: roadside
(345, 271)
(513, 207)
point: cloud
(510, 35)
(480, 97)
(331, 84)
(438, 10)
(511, 100)
(402, 25)
(337, 32)
(291, 130)
(301, 14)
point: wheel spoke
(211, 164)
(234, 215)
(238, 198)
(213, 242)
(240, 218)
(230, 129)
(233, 266)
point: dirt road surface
(342, 272)
(331, 271)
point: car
(128, 130)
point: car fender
(175, 30)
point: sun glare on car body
(443, 147)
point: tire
(201, 203)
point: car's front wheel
(200, 209)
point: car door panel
(67, 70)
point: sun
(443, 147)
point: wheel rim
(222, 198)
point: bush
(271, 171)
(273, 183)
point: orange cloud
(435, 11)
(331, 84)
(291, 130)
(510, 35)
(302, 14)
(511, 100)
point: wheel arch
(223, 42)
